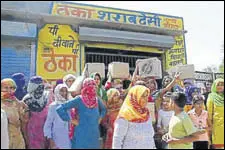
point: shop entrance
(106, 56)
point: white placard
(150, 67)
(96, 67)
(119, 69)
(187, 71)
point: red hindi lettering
(65, 61)
(49, 62)
(63, 10)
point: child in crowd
(199, 117)
(164, 117)
(192, 91)
(181, 129)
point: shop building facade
(53, 39)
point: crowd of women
(46, 116)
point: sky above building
(204, 21)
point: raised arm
(170, 86)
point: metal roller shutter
(15, 60)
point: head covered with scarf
(166, 81)
(114, 102)
(88, 93)
(188, 83)
(19, 79)
(218, 98)
(67, 77)
(9, 84)
(58, 97)
(132, 109)
(100, 91)
(192, 89)
(117, 81)
(93, 75)
(36, 99)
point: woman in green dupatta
(100, 91)
(215, 107)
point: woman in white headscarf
(55, 129)
(69, 79)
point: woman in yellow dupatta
(134, 107)
(134, 122)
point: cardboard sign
(187, 71)
(96, 67)
(119, 69)
(150, 67)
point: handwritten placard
(57, 52)
(150, 67)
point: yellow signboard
(57, 52)
(176, 55)
(117, 15)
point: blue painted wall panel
(13, 61)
